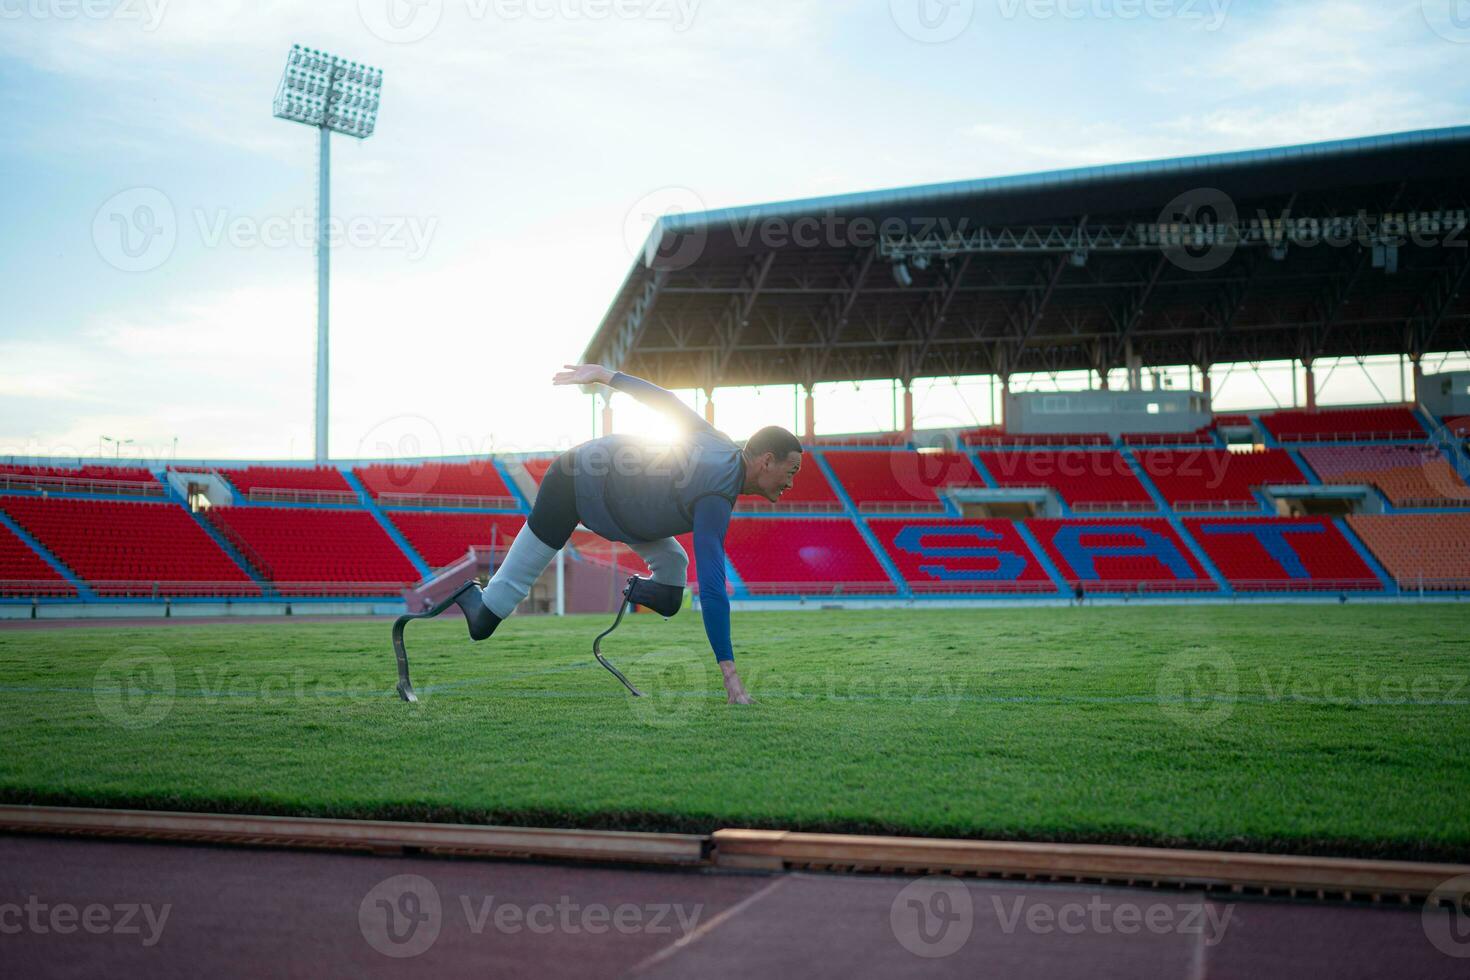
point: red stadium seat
(900, 479)
(443, 538)
(25, 573)
(291, 484)
(317, 551)
(1086, 479)
(1276, 554)
(474, 484)
(129, 549)
(1197, 479)
(974, 556)
(1120, 554)
(1343, 424)
(129, 480)
(817, 556)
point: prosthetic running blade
(405, 686)
(597, 650)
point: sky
(157, 279)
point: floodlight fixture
(336, 96)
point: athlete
(642, 495)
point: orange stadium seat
(1409, 476)
(1429, 551)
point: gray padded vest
(629, 490)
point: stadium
(1116, 646)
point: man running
(626, 490)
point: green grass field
(1316, 728)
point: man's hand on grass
(733, 687)
(582, 374)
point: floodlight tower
(334, 95)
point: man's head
(772, 457)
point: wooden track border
(1322, 878)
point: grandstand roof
(1206, 259)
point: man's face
(776, 474)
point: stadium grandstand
(1348, 249)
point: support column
(811, 416)
(709, 405)
(908, 410)
(1415, 360)
(1206, 387)
(607, 415)
(1311, 383)
(1005, 392)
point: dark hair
(772, 439)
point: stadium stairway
(224, 543)
(986, 476)
(1440, 438)
(1198, 553)
(1143, 478)
(523, 503)
(1390, 584)
(1042, 558)
(61, 569)
(850, 509)
(1163, 508)
(1301, 464)
(396, 536)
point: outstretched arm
(711, 520)
(646, 392)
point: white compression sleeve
(524, 563)
(667, 562)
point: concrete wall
(1109, 413)
(1446, 394)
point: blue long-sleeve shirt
(711, 513)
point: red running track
(242, 912)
